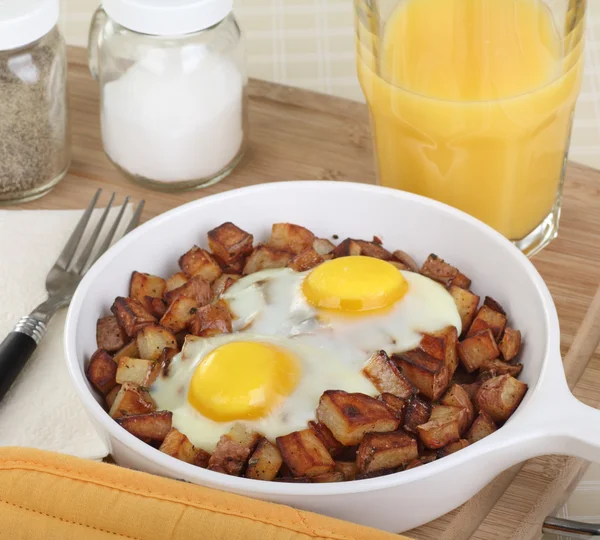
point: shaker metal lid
(25, 21)
(167, 17)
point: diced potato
(199, 262)
(129, 350)
(101, 372)
(143, 285)
(292, 480)
(179, 314)
(152, 340)
(111, 396)
(265, 461)
(488, 318)
(196, 287)
(350, 416)
(379, 451)
(305, 260)
(289, 237)
(175, 281)
(481, 427)
(265, 257)
(212, 320)
(352, 247)
(413, 463)
(134, 370)
(131, 315)
(154, 426)
(347, 248)
(453, 447)
(439, 270)
(428, 374)
(235, 268)
(460, 280)
(304, 453)
(348, 468)
(233, 450)
(155, 306)
(456, 396)
(471, 389)
(476, 349)
(443, 427)
(132, 399)
(510, 344)
(230, 243)
(109, 335)
(466, 303)
(500, 396)
(164, 361)
(493, 305)
(386, 377)
(323, 246)
(223, 283)
(334, 447)
(499, 367)
(177, 445)
(417, 412)
(328, 477)
(406, 260)
(395, 404)
(448, 337)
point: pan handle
(571, 529)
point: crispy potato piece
(143, 285)
(439, 270)
(350, 416)
(233, 450)
(128, 350)
(461, 281)
(453, 447)
(510, 344)
(456, 396)
(323, 246)
(481, 427)
(175, 281)
(177, 445)
(132, 399)
(328, 477)
(109, 335)
(379, 451)
(500, 396)
(443, 427)
(334, 447)
(428, 374)
(154, 426)
(471, 389)
(386, 377)
(417, 412)
(406, 260)
(230, 243)
(449, 341)
(466, 303)
(212, 320)
(265, 461)
(305, 260)
(348, 468)
(154, 306)
(135, 371)
(265, 257)
(222, 283)
(352, 247)
(131, 315)
(110, 397)
(347, 248)
(165, 361)
(152, 340)
(199, 262)
(413, 463)
(235, 268)
(473, 351)
(395, 404)
(492, 304)
(179, 314)
(101, 372)
(488, 318)
(499, 367)
(197, 288)
(304, 453)
(292, 480)
(289, 237)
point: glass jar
(172, 90)
(34, 124)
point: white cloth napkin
(41, 410)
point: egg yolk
(354, 284)
(242, 380)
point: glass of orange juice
(472, 104)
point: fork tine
(65, 258)
(85, 255)
(135, 218)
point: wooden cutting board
(296, 134)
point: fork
(61, 282)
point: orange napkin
(47, 496)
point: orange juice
(471, 103)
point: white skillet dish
(549, 420)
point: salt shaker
(34, 123)
(173, 89)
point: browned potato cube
(461, 281)
(179, 314)
(197, 288)
(175, 281)
(223, 283)
(395, 404)
(379, 451)
(165, 361)
(233, 450)
(109, 335)
(334, 447)
(328, 477)
(406, 260)
(476, 349)
(510, 344)
(230, 243)
(488, 318)
(500, 396)
(466, 303)
(265, 257)
(493, 305)
(471, 389)
(129, 350)
(212, 320)
(350, 416)
(265, 461)
(456, 396)
(352, 247)
(155, 306)
(199, 262)
(304, 453)
(131, 315)
(289, 237)
(101, 372)
(386, 377)
(348, 468)
(177, 445)
(439, 270)
(481, 427)
(323, 246)
(132, 399)
(417, 412)
(499, 367)
(449, 337)
(152, 340)
(111, 396)
(413, 463)
(347, 248)
(154, 426)
(134, 370)
(453, 447)
(305, 260)
(428, 374)
(143, 285)
(443, 427)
